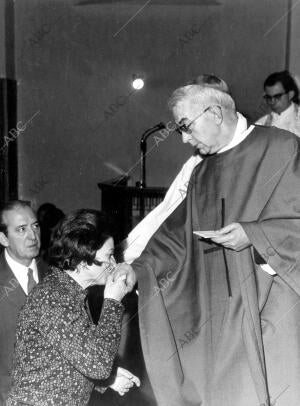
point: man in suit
(19, 272)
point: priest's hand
(233, 237)
(125, 269)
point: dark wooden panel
(8, 145)
(129, 205)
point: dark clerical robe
(216, 329)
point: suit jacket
(12, 298)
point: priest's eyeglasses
(186, 128)
(276, 97)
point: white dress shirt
(288, 120)
(21, 271)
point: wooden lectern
(129, 205)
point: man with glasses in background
(219, 281)
(282, 97)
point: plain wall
(71, 66)
(295, 39)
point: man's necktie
(31, 282)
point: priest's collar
(241, 132)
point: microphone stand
(143, 151)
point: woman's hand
(115, 288)
(124, 380)
(130, 276)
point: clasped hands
(123, 381)
(125, 269)
(232, 236)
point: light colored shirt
(288, 120)
(21, 271)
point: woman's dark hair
(287, 82)
(77, 238)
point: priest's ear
(3, 239)
(217, 114)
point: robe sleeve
(276, 233)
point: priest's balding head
(208, 79)
(206, 117)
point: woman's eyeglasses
(109, 266)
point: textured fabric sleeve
(100, 389)
(90, 349)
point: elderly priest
(219, 281)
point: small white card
(207, 234)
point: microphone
(158, 126)
(152, 130)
